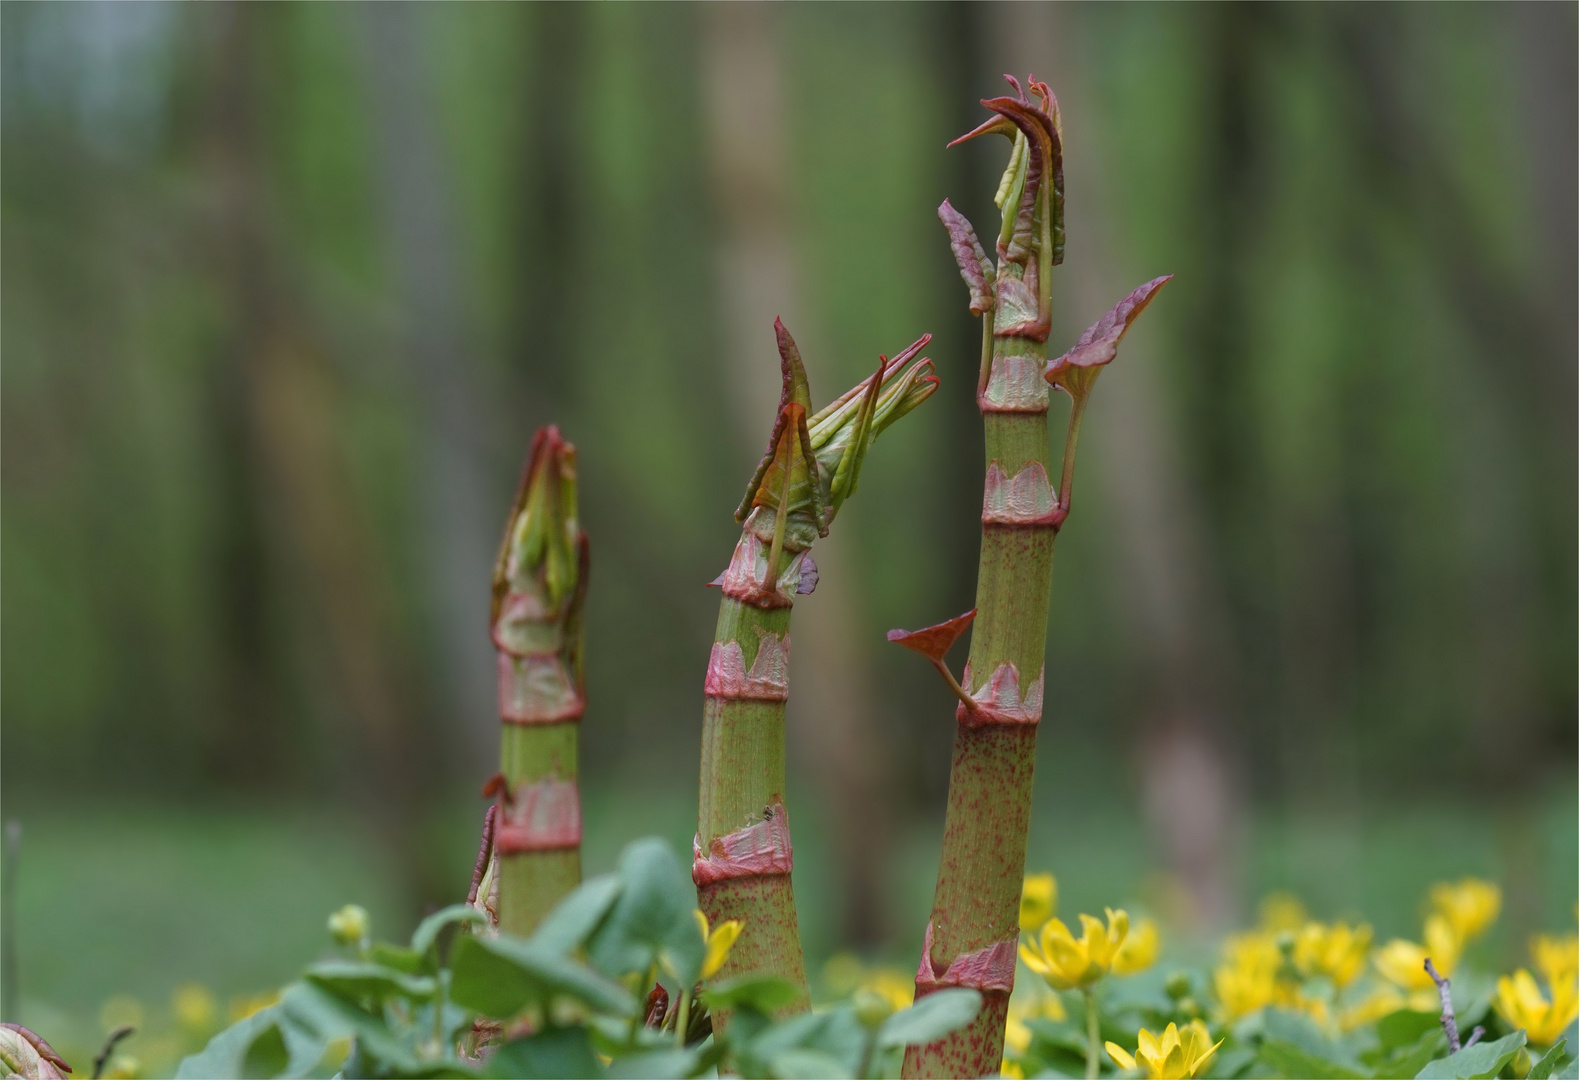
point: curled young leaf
(974, 266)
(1076, 370)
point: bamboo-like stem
(743, 855)
(971, 934)
(539, 586)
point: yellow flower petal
(1120, 1057)
(1139, 950)
(719, 942)
(1038, 900)
(1469, 906)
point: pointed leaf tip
(934, 642)
(796, 386)
(1098, 346)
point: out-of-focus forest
(287, 289)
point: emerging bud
(25, 1054)
(539, 562)
(813, 461)
(539, 584)
(349, 925)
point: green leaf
(801, 1063)
(266, 1056)
(764, 993)
(1287, 1059)
(555, 1052)
(671, 1064)
(1408, 1061)
(836, 1035)
(356, 980)
(651, 920)
(226, 1051)
(930, 1018)
(1405, 1027)
(396, 956)
(499, 976)
(574, 918)
(428, 930)
(329, 1017)
(1472, 1063)
(1549, 1062)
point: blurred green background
(287, 289)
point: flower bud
(348, 926)
(871, 1007)
(1177, 985)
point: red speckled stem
(977, 902)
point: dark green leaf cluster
(461, 1002)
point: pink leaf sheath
(768, 679)
(934, 642)
(1099, 344)
(756, 850)
(544, 816)
(991, 968)
(746, 577)
(1016, 385)
(537, 689)
(999, 700)
(1026, 498)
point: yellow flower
(1175, 1056)
(1337, 951)
(894, 985)
(193, 1006)
(1556, 957)
(1379, 1003)
(1282, 911)
(1065, 963)
(1012, 1070)
(1402, 963)
(1247, 979)
(1038, 901)
(1469, 906)
(1139, 950)
(719, 940)
(1522, 1005)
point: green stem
(531, 883)
(743, 775)
(1066, 481)
(1093, 1033)
(682, 1019)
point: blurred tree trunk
(460, 526)
(832, 703)
(292, 464)
(1173, 610)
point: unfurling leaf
(974, 266)
(934, 642)
(821, 455)
(1077, 369)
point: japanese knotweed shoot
(970, 937)
(743, 854)
(532, 837)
